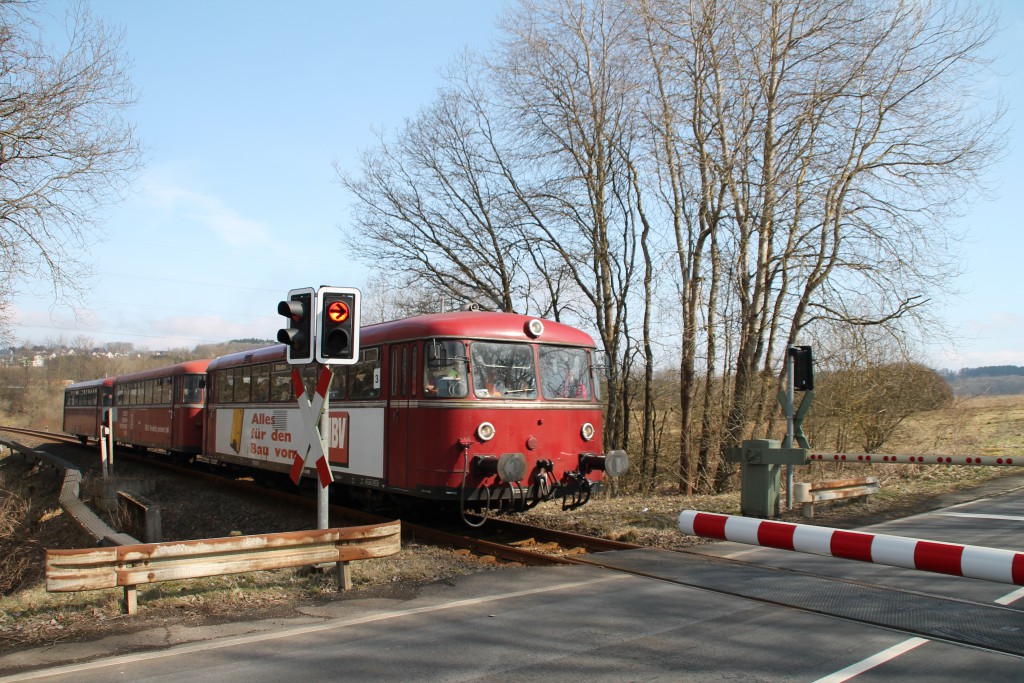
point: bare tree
(66, 148)
(866, 387)
(845, 135)
(435, 206)
(785, 162)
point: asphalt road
(767, 615)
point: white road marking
(1010, 598)
(873, 661)
(1012, 518)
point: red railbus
(162, 408)
(84, 406)
(472, 407)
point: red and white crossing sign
(309, 444)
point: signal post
(323, 324)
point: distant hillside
(992, 380)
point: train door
(401, 387)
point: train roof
(485, 325)
(90, 383)
(474, 325)
(191, 367)
(266, 354)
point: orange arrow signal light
(337, 311)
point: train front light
(587, 431)
(485, 431)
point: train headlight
(535, 328)
(587, 431)
(485, 431)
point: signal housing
(337, 325)
(298, 336)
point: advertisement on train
(271, 435)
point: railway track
(503, 539)
(516, 542)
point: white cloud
(163, 190)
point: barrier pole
(969, 561)
(788, 443)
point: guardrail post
(131, 600)
(802, 495)
(344, 576)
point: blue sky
(243, 108)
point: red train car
(475, 407)
(162, 408)
(84, 406)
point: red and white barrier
(988, 460)
(971, 561)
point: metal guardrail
(130, 566)
(87, 520)
(809, 494)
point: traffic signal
(803, 368)
(298, 336)
(337, 328)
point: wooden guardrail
(130, 566)
(809, 494)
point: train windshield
(565, 373)
(444, 369)
(503, 370)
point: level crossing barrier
(974, 562)
(987, 460)
(129, 566)
(807, 494)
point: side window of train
(243, 383)
(413, 368)
(281, 390)
(405, 372)
(445, 369)
(364, 376)
(339, 380)
(212, 380)
(261, 383)
(393, 371)
(225, 386)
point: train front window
(503, 371)
(444, 369)
(564, 373)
